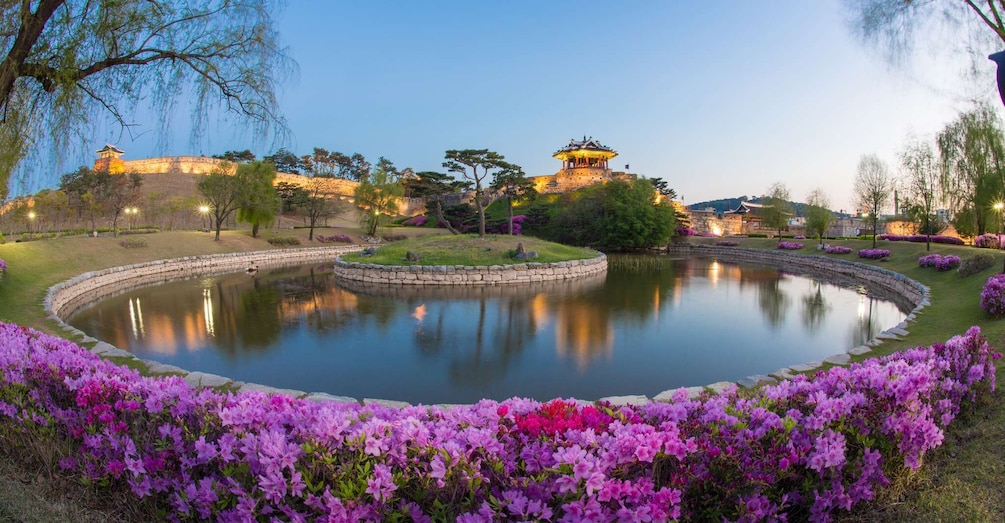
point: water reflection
(654, 324)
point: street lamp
(31, 224)
(1000, 206)
(204, 210)
(130, 213)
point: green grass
(470, 250)
(961, 481)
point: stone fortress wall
(469, 275)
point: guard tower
(110, 160)
(584, 163)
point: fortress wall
(173, 165)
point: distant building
(584, 162)
(110, 160)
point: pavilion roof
(110, 147)
(586, 144)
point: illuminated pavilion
(584, 162)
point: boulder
(412, 257)
(519, 249)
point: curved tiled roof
(586, 144)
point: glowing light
(31, 215)
(207, 311)
(419, 313)
(204, 209)
(136, 318)
(717, 229)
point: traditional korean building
(584, 162)
(110, 160)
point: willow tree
(972, 155)
(261, 201)
(818, 216)
(68, 65)
(777, 208)
(377, 197)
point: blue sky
(719, 98)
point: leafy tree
(480, 162)
(285, 161)
(121, 191)
(51, 208)
(921, 177)
(223, 192)
(68, 61)
(618, 216)
(333, 164)
(291, 196)
(317, 204)
(777, 208)
(663, 188)
(873, 186)
(87, 191)
(236, 156)
(514, 186)
(377, 197)
(431, 186)
(261, 202)
(972, 153)
(818, 217)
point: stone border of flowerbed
(468, 274)
(66, 296)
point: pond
(648, 325)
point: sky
(721, 99)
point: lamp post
(999, 59)
(130, 213)
(1000, 206)
(204, 210)
(31, 224)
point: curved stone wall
(468, 275)
(65, 297)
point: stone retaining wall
(468, 275)
(900, 286)
(65, 297)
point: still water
(638, 330)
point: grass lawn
(961, 481)
(469, 249)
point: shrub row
(837, 249)
(920, 238)
(975, 264)
(133, 243)
(416, 221)
(790, 246)
(727, 243)
(338, 238)
(940, 262)
(3, 268)
(987, 241)
(284, 240)
(801, 449)
(873, 254)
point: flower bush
(799, 237)
(416, 221)
(837, 249)
(940, 262)
(873, 254)
(338, 238)
(987, 241)
(920, 238)
(790, 246)
(727, 243)
(993, 295)
(805, 447)
(685, 231)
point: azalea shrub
(801, 449)
(993, 295)
(873, 254)
(987, 241)
(940, 262)
(727, 243)
(685, 231)
(921, 238)
(416, 221)
(3, 269)
(837, 249)
(790, 246)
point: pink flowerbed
(416, 221)
(838, 249)
(987, 241)
(993, 295)
(790, 246)
(338, 238)
(940, 262)
(804, 448)
(874, 254)
(921, 238)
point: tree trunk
(254, 230)
(440, 219)
(481, 213)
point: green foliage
(291, 196)
(133, 243)
(475, 165)
(615, 216)
(284, 240)
(377, 197)
(236, 156)
(777, 209)
(67, 63)
(514, 186)
(972, 150)
(260, 202)
(975, 264)
(285, 161)
(469, 249)
(224, 194)
(818, 217)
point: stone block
(806, 367)
(839, 359)
(205, 379)
(621, 401)
(782, 374)
(860, 350)
(109, 351)
(720, 386)
(256, 387)
(753, 381)
(157, 367)
(385, 403)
